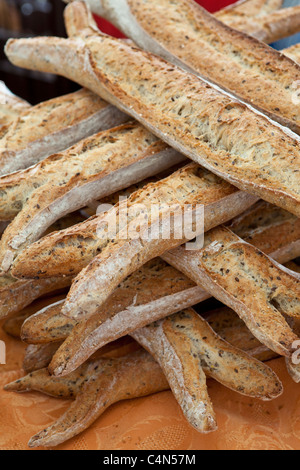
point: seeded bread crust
(186, 348)
(251, 8)
(265, 163)
(69, 251)
(53, 126)
(110, 381)
(268, 28)
(194, 39)
(263, 293)
(11, 106)
(271, 230)
(63, 183)
(233, 330)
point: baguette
(71, 250)
(150, 293)
(184, 343)
(63, 183)
(13, 325)
(264, 163)
(11, 106)
(16, 295)
(269, 27)
(263, 293)
(53, 126)
(39, 356)
(231, 328)
(251, 8)
(41, 381)
(271, 230)
(109, 381)
(198, 42)
(85, 338)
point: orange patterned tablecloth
(156, 422)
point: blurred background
(21, 18)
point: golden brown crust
(109, 381)
(185, 347)
(262, 292)
(65, 182)
(71, 250)
(264, 163)
(53, 126)
(270, 229)
(11, 106)
(210, 48)
(153, 292)
(268, 28)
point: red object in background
(210, 5)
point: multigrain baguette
(224, 136)
(39, 356)
(251, 8)
(268, 27)
(53, 126)
(11, 106)
(233, 330)
(198, 42)
(263, 293)
(184, 343)
(69, 251)
(92, 169)
(150, 293)
(109, 381)
(271, 230)
(85, 338)
(40, 380)
(16, 295)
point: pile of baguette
(194, 113)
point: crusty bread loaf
(271, 230)
(262, 292)
(251, 8)
(109, 381)
(231, 328)
(53, 126)
(154, 291)
(16, 295)
(41, 381)
(69, 251)
(185, 346)
(194, 39)
(87, 337)
(224, 136)
(267, 25)
(11, 106)
(63, 183)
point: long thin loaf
(53, 126)
(222, 135)
(195, 40)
